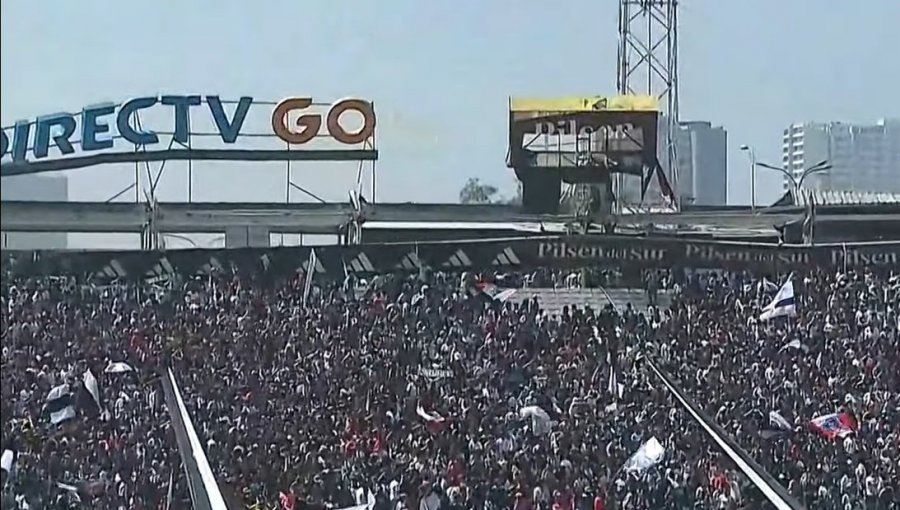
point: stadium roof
(829, 197)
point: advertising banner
(454, 256)
(615, 134)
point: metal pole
(190, 161)
(287, 180)
(752, 181)
(190, 174)
(768, 486)
(287, 187)
(374, 163)
(137, 181)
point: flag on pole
(783, 304)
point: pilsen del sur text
(589, 251)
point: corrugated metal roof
(847, 198)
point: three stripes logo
(458, 259)
(506, 258)
(317, 265)
(113, 270)
(361, 264)
(212, 266)
(160, 271)
(410, 261)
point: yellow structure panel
(622, 103)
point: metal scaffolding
(648, 64)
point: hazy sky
(439, 69)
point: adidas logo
(113, 270)
(161, 271)
(212, 266)
(361, 264)
(410, 261)
(458, 259)
(313, 261)
(506, 258)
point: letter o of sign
(340, 134)
(309, 124)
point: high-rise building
(702, 152)
(36, 188)
(863, 157)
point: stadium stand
(431, 391)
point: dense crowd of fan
(423, 392)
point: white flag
(647, 456)
(783, 304)
(778, 421)
(90, 383)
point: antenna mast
(648, 64)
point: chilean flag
(834, 425)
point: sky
(440, 74)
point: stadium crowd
(422, 392)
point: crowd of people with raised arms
(423, 392)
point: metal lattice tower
(648, 64)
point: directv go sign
(96, 125)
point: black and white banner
(435, 373)
(493, 254)
(60, 404)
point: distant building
(702, 151)
(702, 163)
(39, 189)
(864, 157)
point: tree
(477, 192)
(517, 198)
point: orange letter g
(309, 124)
